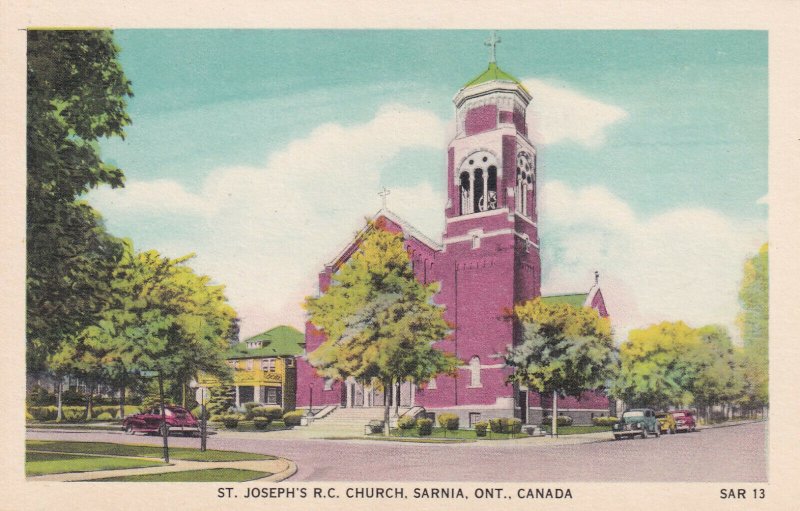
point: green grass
(146, 451)
(578, 430)
(37, 464)
(211, 475)
(103, 426)
(418, 439)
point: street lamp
(310, 398)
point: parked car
(177, 419)
(685, 420)
(636, 422)
(667, 422)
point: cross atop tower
(492, 43)
(384, 193)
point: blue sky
(262, 150)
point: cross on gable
(383, 194)
(492, 44)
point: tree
(221, 399)
(160, 316)
(659, 365)
(379, 320)
(754, 323)
(76, 95)
(564, 350)
(717, 373)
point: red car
(684, 420)
(177, 418)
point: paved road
(730, 454)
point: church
(488, 261)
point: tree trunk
(396, 397)
(122, 401)
(60, 390)
(554, 424)
(90, 403)
(164, 432)
(387, 386)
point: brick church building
(488, 261)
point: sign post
(201, 395)
(164, 427)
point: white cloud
(684, 264)
(559, 114)
(266, 232)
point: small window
(268, 364)
(476, 241)
(328, 384)
(432, 384)
(289, 362)
(475, 372)
(272, 396)
(249, 364)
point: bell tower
(491, 175)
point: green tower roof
(493, 73)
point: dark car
(684, 419)
(177, 419)
(637, 422)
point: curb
(286, 474)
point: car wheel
(129, 430)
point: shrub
(261, 422)
(425, 427)
(105, 416)
(231, 420)
(480, 428)
(198, 413)
(563, 420)
(604, 421)
(110, 410)
(293, 418)
(448, 421)
(406, 422)
(43, 413)
(249, 407)
(513, 426)
(272, 413)
(496, 425)
(73, 413)
(505, 425)
(375, 426)
(28, 416)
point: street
(730, 454)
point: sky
(262, 152)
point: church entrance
(356, 395)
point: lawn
(38, 463)
(249, 426)
(211, 475)
(145, 451)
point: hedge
(231, 420)
(272, 413)
(448, 421)
(406, 422)
(425, 427)
(293, 418)
(563, 420)
(505, 425)
(261, 422)
(105, 416)
(480, 428)
(604, 421)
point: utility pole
(164, 428)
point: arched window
(525, 173)
(475, 371)
(477, 183)
(464, 191)
(480, 199)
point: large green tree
(76, 95)
(754, 324)
(380, 321)
(160, 316)
(565, 350)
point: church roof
(574, 299)
(276, 342)
(491, 74)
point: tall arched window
(475, 371)
(477, 182)
(525, 174)
(464, 191)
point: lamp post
(310, 398)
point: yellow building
(264, 369)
